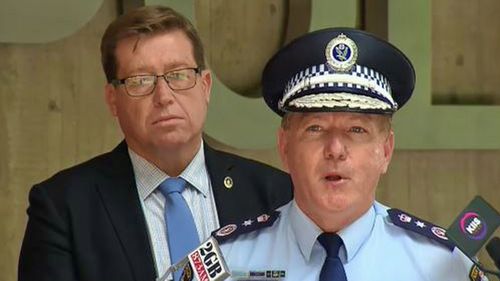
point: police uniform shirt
(374, 249)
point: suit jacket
(86, 223)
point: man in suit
(105, 219)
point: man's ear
(283, 148)
(206, 84)
(110, 96)
(388, 150)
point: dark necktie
(181, 230)
(332, 269)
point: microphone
(475, 224)
(493, 249)
(473, 227)
(205, 263)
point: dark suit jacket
(86, 223)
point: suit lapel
(119, 195)
(219, 168)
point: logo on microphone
(207, 262)
(473, 226)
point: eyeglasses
(143, 85)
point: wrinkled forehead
(164, 50)
(134, 41)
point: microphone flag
(206, 263)
(474, 226)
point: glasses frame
(118, 82)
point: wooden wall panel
(465, 44)
(240, 37)
(52, 115)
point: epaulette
(233, 230)
(420, 226)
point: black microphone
(493, 249)
(473, 227)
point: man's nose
(335, 147)
(163, 94)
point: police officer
(337, 90)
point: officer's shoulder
(233, 230)
(413, 224)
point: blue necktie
(332, 269)
(181, 231)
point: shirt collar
(307, 232)
(196, 172)
(148, 177)
(357, 233)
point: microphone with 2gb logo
(205, 263)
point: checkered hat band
(321, 76)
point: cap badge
(341, 53)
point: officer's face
(165, 119)
(335, 160)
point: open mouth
(333, 178)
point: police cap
(338, 69)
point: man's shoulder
(232, 160)
(251, 229)
(233, 231)
(260, 176)
(399, 221)
(425, 241)
(85, 172)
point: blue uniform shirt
(374, 249)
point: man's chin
(171, 141)
(339, 206)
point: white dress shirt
(198, 195)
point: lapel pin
(228, 182)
